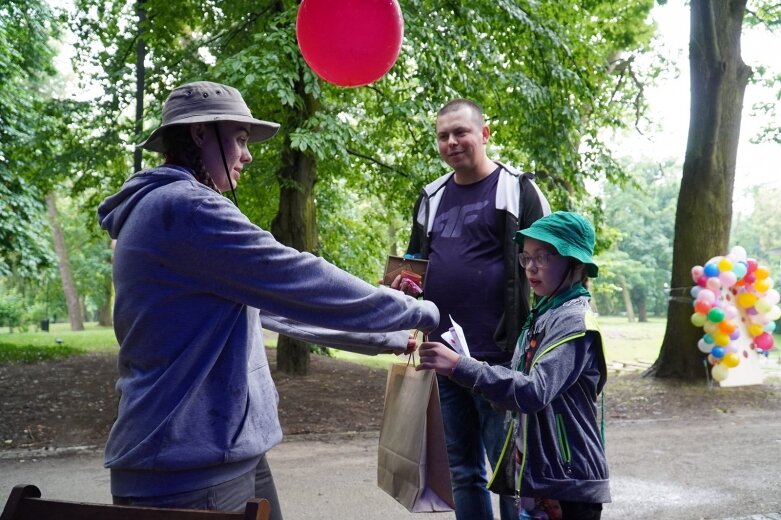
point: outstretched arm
(437, 356)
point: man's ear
(486, 133)
(198, 133)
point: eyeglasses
(540, 260)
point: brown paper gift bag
(412, 462)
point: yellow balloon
(761, 272)
(721, 339)
(755, 329)
(747, 299)
(731, 360)
(725, 264)
(719, 372)
(761, 285)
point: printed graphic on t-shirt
(450, 224)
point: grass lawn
(59, 342)
(625, 342)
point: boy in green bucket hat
(554, 443)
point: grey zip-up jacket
(519, 202)
(559, 434)
(195, 280)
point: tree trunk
(68, 285)
(638, 294)
(630, 313)
(295, 225)
(704, 212)
(140, 74)
(106, 311)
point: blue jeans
(473, 429)
(228, 496)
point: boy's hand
(438, 357)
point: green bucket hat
(570, 233)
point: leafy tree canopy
(26, 27)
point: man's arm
(415, 246)
(533, 203)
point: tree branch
(377, 162)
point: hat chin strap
(225, 164)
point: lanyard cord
(225, 164)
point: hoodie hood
(114, 210)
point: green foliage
(642, 217)
(549, 75)
(757, 227)
(766, 14)
(26, 27)
(11, 309)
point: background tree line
(340, 177)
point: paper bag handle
(411, 355)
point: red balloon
(350, 43)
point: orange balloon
(762, 272)
(727, 326)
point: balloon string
(707, 373)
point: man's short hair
(458, 104)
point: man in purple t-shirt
(464, 223)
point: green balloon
(715, 315)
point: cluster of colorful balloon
(732, 294)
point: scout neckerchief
(545, 304)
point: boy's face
(545, 268)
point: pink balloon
(706, 295)
(350, 43)
(714, 284)
(728, 278)
(764, 341)
(697, 271)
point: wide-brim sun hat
(207, 102)
(571, 234)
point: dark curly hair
(181, 150)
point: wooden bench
(25, 503)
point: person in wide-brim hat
(207, 102)
(196, 283)
(206, 127)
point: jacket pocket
(565, 455)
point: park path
(708, 468)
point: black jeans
(580, 511)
